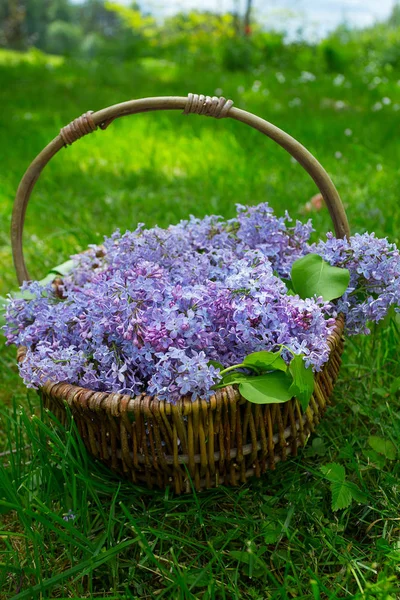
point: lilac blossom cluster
(374, 288)
(148, 310)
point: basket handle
(205, 105)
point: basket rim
(117, 403)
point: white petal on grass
(306, 76)
(339, 80)
(348, 132)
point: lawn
(70, 529)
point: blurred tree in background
(56, 26)
(99, 29)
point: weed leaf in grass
(358, 495)
(333, 472)
(382, 446)
(343, 492)
(265, 360)
(303, 380)
(394, 387)
(312, 276)
(317, 448)
(198, 578)
(241, 556)
(267, 389)
(271, 532)
(376, 460)
(341, 495)
(252, 563)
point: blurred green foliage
(95, 29)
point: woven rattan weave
(198, 444)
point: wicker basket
(198, 444)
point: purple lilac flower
(374, 266)
(148, 310)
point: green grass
(274, 538)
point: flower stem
(239, 366)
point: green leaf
(342, 491)
(60, 270)
(303, 380)
(395, 385)
(48, 279)
(346, 451)
(382, 446)
(215, 364)
(259, 569)
(22, 295)
(266, 360)
(267, 389)
(311, 275)
(317, 448)
(271, 532)
(242, 556)
(381, 392)
(63, 269)
(376, 460)
(232, 378)
(333, 472)
(341, 495)
(358, 495)
(198, 578)
(252, 563)
(287, 282)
